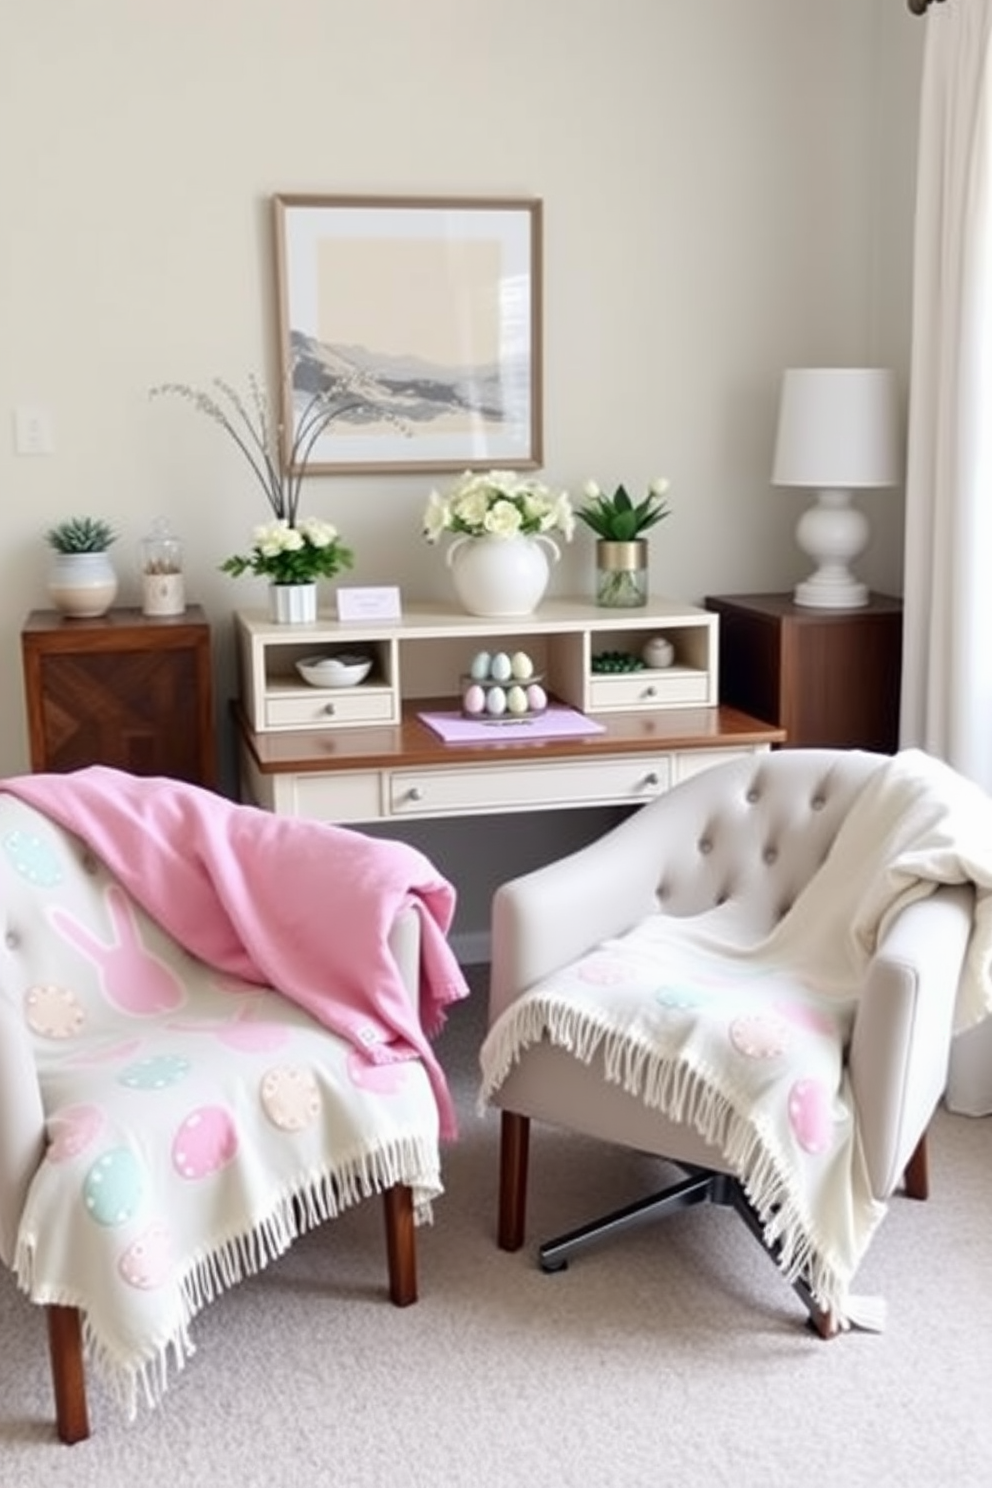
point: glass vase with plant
(620, 524)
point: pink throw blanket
(301, 906)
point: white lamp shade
(838, 428)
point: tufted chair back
(756, 833)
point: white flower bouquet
(292, 555)
(498, 503)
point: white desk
(362, 754)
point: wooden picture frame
(422, 317)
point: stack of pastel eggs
(502, 686)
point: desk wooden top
(412, 744)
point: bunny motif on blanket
(133, 980)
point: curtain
(947, 649)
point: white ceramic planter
(293, 604)
(501, 576)
(82, 585)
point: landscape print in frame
(420, 320)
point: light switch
(34, 433)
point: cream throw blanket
(746, 1043)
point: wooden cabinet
(828, 677)
(125, 690)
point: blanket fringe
(236, 1257)
(690, 1097)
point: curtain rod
(920, 7)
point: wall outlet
(34, 433)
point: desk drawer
(672, 688)
(332, 709)
(481, 789)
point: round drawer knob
(415, 793)
(652, 778)
(329, 708)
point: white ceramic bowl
(344, 670)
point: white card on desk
(381, 603)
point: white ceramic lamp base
(832, 533)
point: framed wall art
(419, 319)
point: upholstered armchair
(755, 978)
(173, 1114)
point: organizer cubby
(424, 655)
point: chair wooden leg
(65, 1348)
(401, 1245)
(513, 1153)
(917, 1175)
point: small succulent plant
(81, 535)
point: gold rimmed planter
(622, 574)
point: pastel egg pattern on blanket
(803, 1015)
(290, 1097)
(811, 1115)
(759, 1036)
(33, 859)
(381, 1079)
(147, 1261)
(53, 1012)
(113, 1188)
(205, 1142)
(72, 1130)
(250, 1037)
(157, 1072)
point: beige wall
(727, 189)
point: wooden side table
(828, 677)
(125, 690)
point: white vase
(501, 576)
(82, 585)
(293, 604)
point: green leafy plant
(617, 518)
(292, 555)
(81, 535)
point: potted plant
(289, 552)
(621, 548)
(293, 558)
(500, 522)
(82, 582)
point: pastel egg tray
(500, 688)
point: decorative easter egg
(71, 1131)
(155, 1072)
(521, 666)
(474, 701)
(147, 1262)
(479, 670)
(290, 1097)
(205, 1142)
(516, 699)
(537, 698)
(501, 668)
(496, 701)
(112, 1188)
(810, 1115)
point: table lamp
(838, 432)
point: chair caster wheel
(550, 1268)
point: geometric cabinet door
(124, 690)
